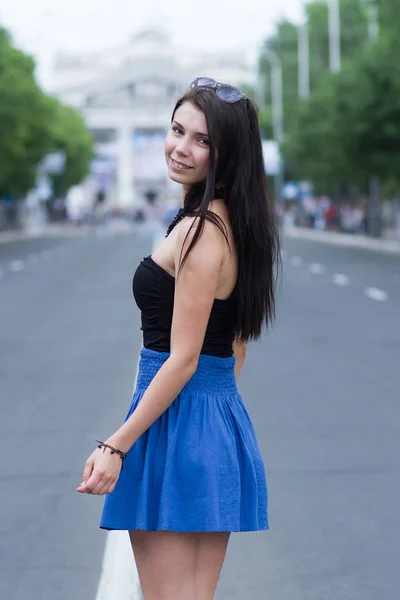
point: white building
(126, 96)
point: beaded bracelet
(121, 454)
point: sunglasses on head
(224, 91)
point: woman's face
(186, 146)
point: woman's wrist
(118, 442)
(107, 446)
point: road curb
(12, 236)
(344, 239)
(48, 231)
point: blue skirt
(198, 467)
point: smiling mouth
(179, 165)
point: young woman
(192, 470)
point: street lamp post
(277, 107)
(276, 92)
(304, 61)
(334, 36)
(373, 22)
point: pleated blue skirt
(198, 467)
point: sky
(45, 27)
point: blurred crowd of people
(323, 214)
(78, 207)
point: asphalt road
(324, 392)
(323, 389)
(69, 343)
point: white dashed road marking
(16, 265)
(340, 279)
(119, 577)
(376, 294)
(316, 269)
(296, 261)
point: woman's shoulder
(210, 239)
(186, 230)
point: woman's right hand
(101, 473)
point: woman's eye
(204, 141)
(176, 130)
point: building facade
(126, 96)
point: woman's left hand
(101, 473)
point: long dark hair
(238, 176)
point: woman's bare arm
(195, 290)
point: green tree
(72, 137)
(388, 14)
(284, 44)
(349, 131)
(266, 123)
(25, 131)
(312, 146)
(354, 40)
(353, 34)
(32, 125)
(265, 115)
(369, 121)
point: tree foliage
(349, 129)
(284, 43)
(24, 127)
(71, 136)
(33, 124)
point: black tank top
(153, 290)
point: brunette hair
(238, 176)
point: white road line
(296, 261)
(16, 265)
(340, 279)
(316, 269)
(105, 233)
(376, 294)
(119, 578)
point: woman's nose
(183, 147)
